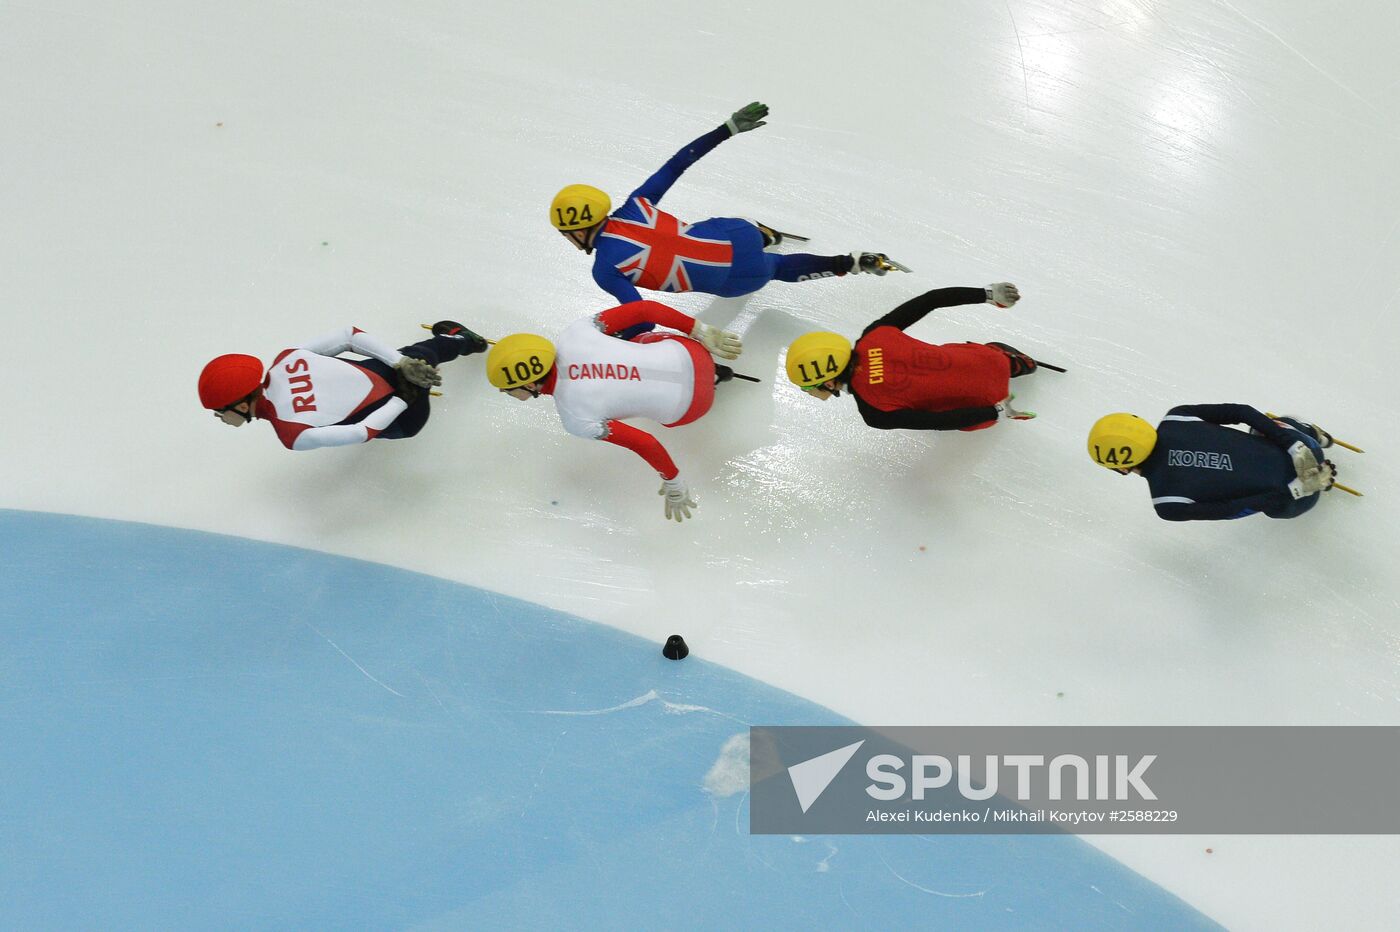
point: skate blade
(890, 265)
(1340, 443)
(1347, 489)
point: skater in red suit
(901, 383)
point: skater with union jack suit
(641, 245)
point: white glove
(722, 343)
(678, 500)
(1005, 410)
(1304, 463)
(1002, 294)
(418, 371)
(1320, 480)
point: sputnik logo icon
(811, 777)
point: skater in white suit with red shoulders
(598, 379)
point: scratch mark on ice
(371, 676)
(629, 704)
(1306, 60)
(670, 708)
(951, 896)
(1109, 898)
(825, 864)
(1021, 50)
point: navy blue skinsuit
(1203, 471)
(436, 350)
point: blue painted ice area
(203, 731)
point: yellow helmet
(1121, 441)
(579, 206)
(519, 359)
(814, 358)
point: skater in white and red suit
(313, 398)
(597, 380)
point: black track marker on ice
(675, 648)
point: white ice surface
(1197, 198)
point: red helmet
(229, 379)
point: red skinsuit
(896, 372)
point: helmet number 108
(524, 369)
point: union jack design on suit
(641, 245)
(666, 247)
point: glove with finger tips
(1002, 294)
(1305, 462)
(419, 372)
(722, 343)
(678, 499)
(747, 118)
(1005, 409)
(1319, 480)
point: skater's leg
(1296, 507)
(1021, 364)
(636, 330)
(411, 421)
(802, 266)
(436, 350)
(1301, 505)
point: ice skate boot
(475, 343)
(1324, 439)
(1021, 364)
(875, 263)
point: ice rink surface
(347, 745)
(1198, 201)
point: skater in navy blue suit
(1200, 469)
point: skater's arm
(340, 435)
(913, 311)
(644, 445)
(615, 283)
(1237, 414)
(957, 419)
(618, 319)
(655, 187)
(354, 340)
(1177, 509)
